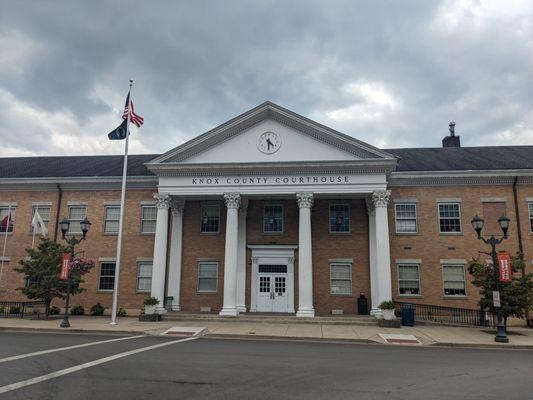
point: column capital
(162, 200)
(380, 198)
(177, 206)
(233, 200)
(243, 209)
(369, 205)
(304, 199)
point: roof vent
(451, 140)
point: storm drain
(185, 331)
(399, 338)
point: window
(210, 222)
(339, 218)
(406, 218)
(449, 218)
(530, 206)
(454, 280)
(29, 282)
(111, 219)
(76, 214)
(44, 212)
(7, 217)
(107, 276)
(273, 218)
(207, 276)
(148, 219)
(144, 276)
(408, 279)
(341, 279)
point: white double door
(272, 289)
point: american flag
(136, 119)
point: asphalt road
(245, 369)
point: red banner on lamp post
(65, 267)
(504, 264)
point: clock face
(269, 142)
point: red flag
(65, 267)
(5, 223)
(504, 265)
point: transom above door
(272, 287)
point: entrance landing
(273, 318)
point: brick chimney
(451, 140)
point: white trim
(340, 260)
(333, 264)
(340, 203)
(529, 199)
(460, 218)
(405, 219)
(148, 203)
(112, 203)
(274, 204)
(210, 204)
(452, 296)
(77, 203)
(453, 261)
(7, 204)
(5, 258)
(409, 261)
(494, 199)
(107, 259)
(409, 264)
(41, 204)
(144, 259)
(405, 200)
(198, 291)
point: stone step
(364, 320)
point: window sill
(147, 233)
(451, 233)
(107, 291)
(6, 233)
(341, 295)
(340, 233)
(273, 233)
(414, 296)
(209, 233)
(207, 292)
(110, 233)
(407, 233)
(455, 297)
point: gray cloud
(387, 73)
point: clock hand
(269, 143)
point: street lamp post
(72, 241)
(477, 224)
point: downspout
(518, 227)
(58, 210)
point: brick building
(273, 212)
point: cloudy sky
(392, 73)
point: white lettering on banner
(272, 180)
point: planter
(149, 310)
(150, 318)
(388, 315)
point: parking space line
(56, 374)
(77, 346)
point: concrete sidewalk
(427, 335)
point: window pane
(208, 270)
(530, 205)
(7, 218)
(144, 276)
(341, 279)
(340, 272)
(44, 212)
(207, 276)
(273, 218)
(454, 280)
(112, 213)
(210, 217)
(341, 287)
(76, 215)
(207, 285)
(339, 218)
(148, 219)
(149, 212)
(107, 276)
(405, 226)
(449, 218)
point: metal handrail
(17, 309)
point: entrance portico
(313, 163)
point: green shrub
(77, 310)
(150, 301)
(387, 305)
(121, 312)
(97, 310)
(14, 310)
(54, 310)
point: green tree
(516, 297)
(41, 268)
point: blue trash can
(408, 315)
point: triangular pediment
(291, 138)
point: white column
(374, 296)
(305, 257)
(176, 239)
(380, 199)
(241, 258)
(160, 250)
(233, 201)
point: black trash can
(362, 305)
(408, 315)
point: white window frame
(282, 219)
(344, 204)
(106, 219)
(45, 220)
(460, 231)
(463, 266)
(139, 277)
(530, 210)
(100, 276)
(198, 278)
(331, 267)
(405, 264)
(10, 210)
(214, 205)
(143, 219)
(396, 218)
(70, 207)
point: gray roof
(410, 159)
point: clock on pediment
(269, 142)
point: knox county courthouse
(273, 212)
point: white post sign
(496, 298)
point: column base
(376, 312)
(228, 312)
(241, 309)
(308, 313)
(160, 310)
(176, 307)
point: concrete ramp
(185, 331)
(395, 338)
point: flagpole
(121, 218)
(5, 241)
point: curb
(71, 330)
(483, 346)
(288, 338)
